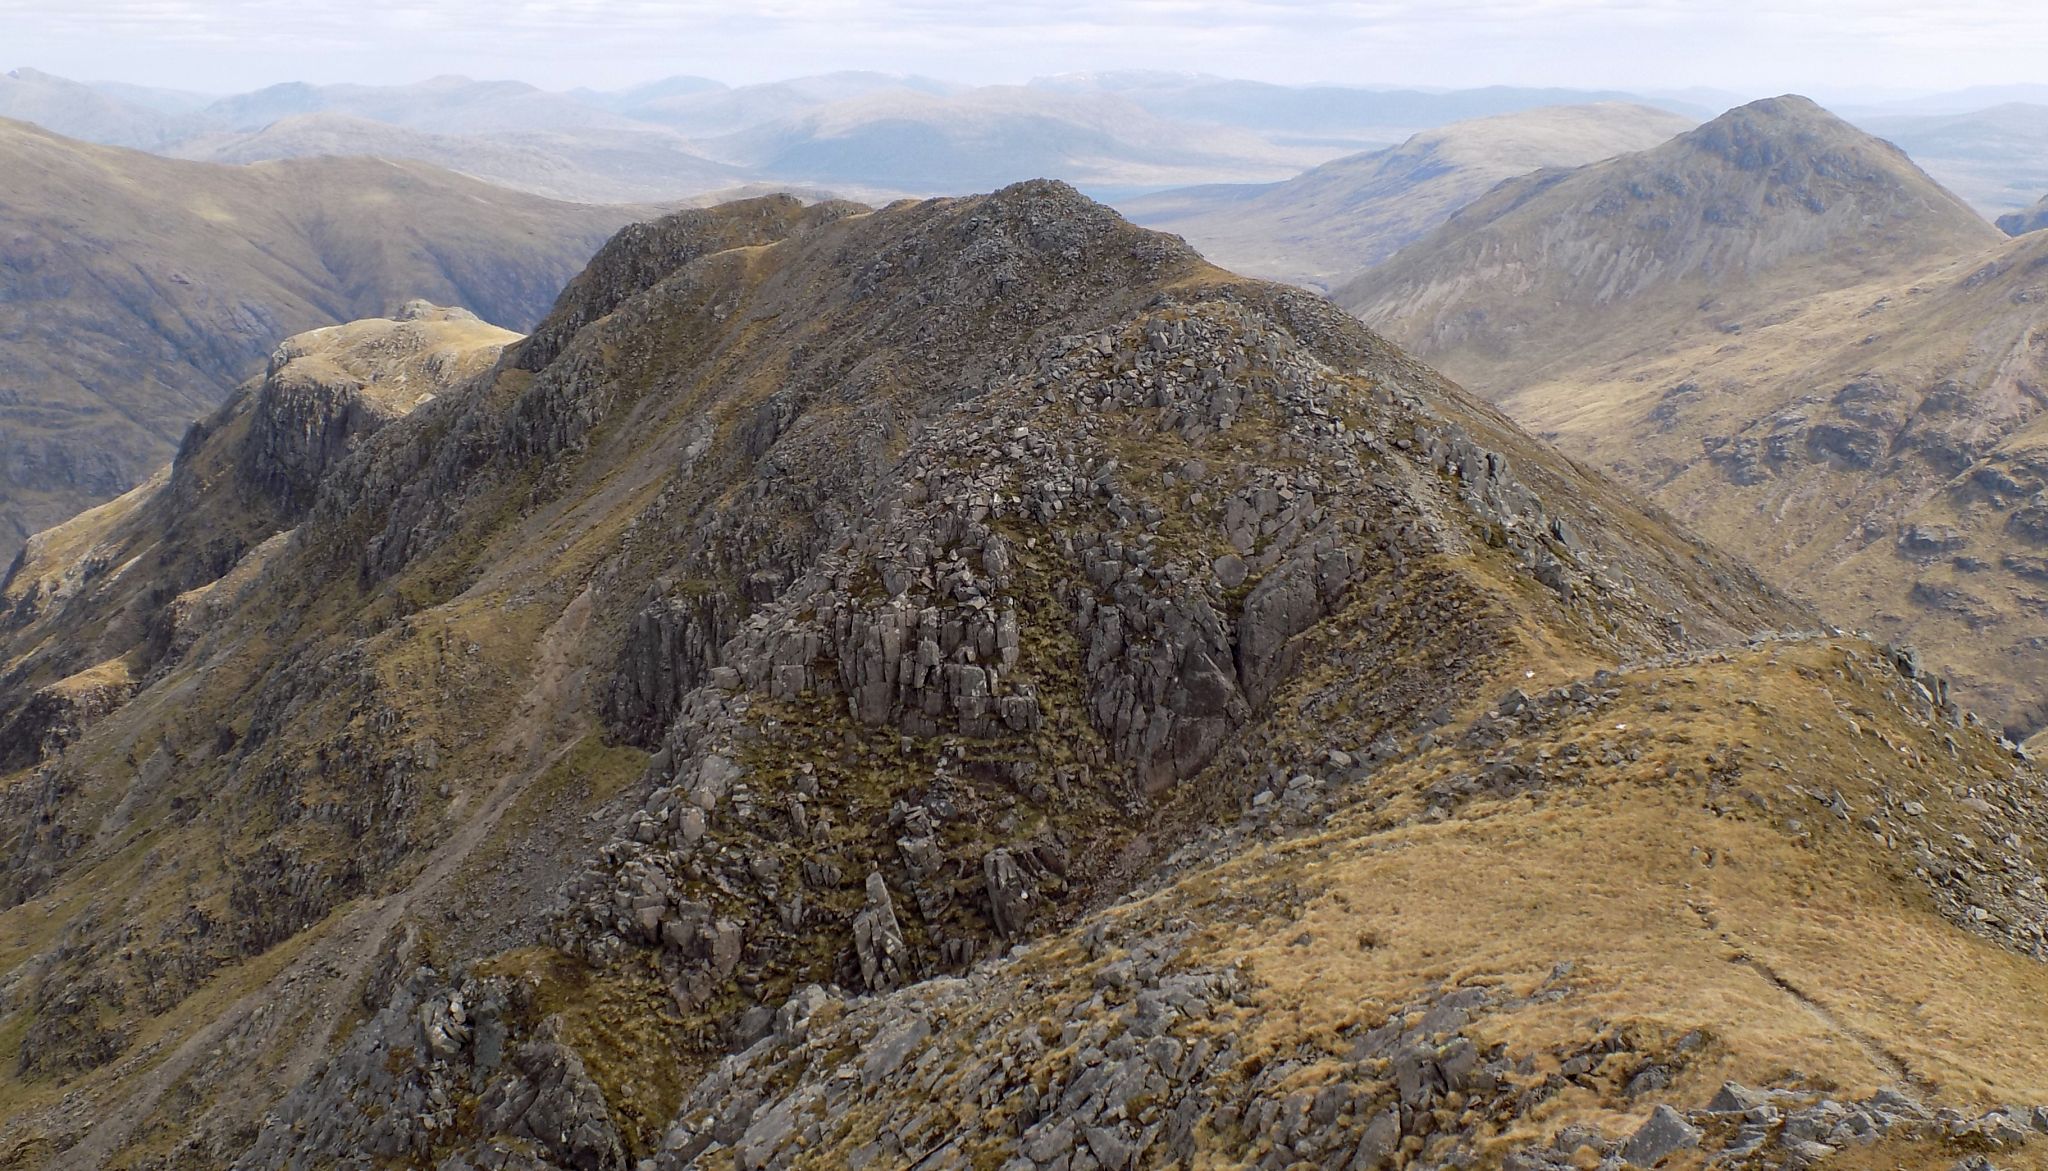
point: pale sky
(1823, 47)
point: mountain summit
(1771, 200)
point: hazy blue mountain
(447, 105)
(77, 110)
(602, 165)
(710, 113)
(1997, 158)
(165, 101)
(906, 140)
(633, 96)
(1328, 224)
(2019, 223)
(1958, 101)
(1343, 113)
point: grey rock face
(674, 645)
(1664, 1133)
(553, 1103)
(878, 940)
(305, 419)
(1009, 892)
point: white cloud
(1755, 45)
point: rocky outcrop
(135, 582)
(142, 291)
(675, 642)
(878, 940)
(531, 1099)
(58, 714)
(325, 391)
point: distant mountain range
(1997, 158)
(590, 166)
(870, 133)
(1120, 135)
(1331, 113)
(982, 138)
(1328, 224)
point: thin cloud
(1620, 43)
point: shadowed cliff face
(823, 602)
(2019, 223)
(140, 291)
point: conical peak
(1766, 135)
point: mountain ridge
(1189, 731)
(1699, 225)
(660, 582)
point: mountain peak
(1792, 129)
(1786, 106)
(1771, 200)
(1783, 329)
